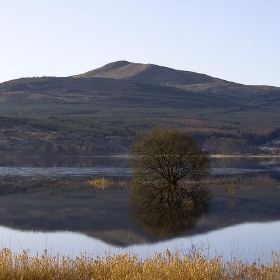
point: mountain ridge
(148, 73)
(154, 74)
(165, 76)
(121, 99)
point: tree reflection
(165, 211)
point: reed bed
(161, 266)
(101, 183)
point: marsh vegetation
(161, 266)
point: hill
(109, 106)
(159, 75)
(149, 74)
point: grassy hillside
(190, 81)
(121, 99)
(149, 74)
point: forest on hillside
(84, 135)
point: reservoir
(48, 205)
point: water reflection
(63, 204)
(165, 212)
(231, 242)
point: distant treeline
(103, 134)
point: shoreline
(244, 156)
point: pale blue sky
(236, 40)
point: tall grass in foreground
(161, 266)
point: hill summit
(148, 73)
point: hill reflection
(117, 217)
(165, 218)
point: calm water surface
(243, 219)
(247, 242)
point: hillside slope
(72, 96)
(190, 81)
(149, 74)
(121, 99)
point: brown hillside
(149, 73)
(190, 81)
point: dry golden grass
(161, 266)
(123, 183)
(101, 183)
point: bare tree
(162, 158)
